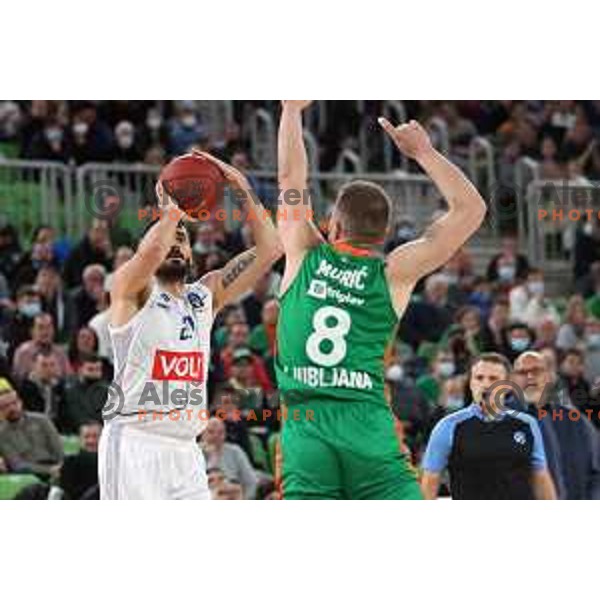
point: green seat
(71, 444)
(11, 485)
(259, 455)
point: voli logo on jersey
(178, 366)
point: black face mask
(88, 381)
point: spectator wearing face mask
(508, 265)
(528, 302)
(443, 367)
(42, 340)
(127, 149)
(41, 255)
(17, 329)
(185, 130)
(90, 139)
(154, 133)
(519, 338)
(86, 396)
(50, 143)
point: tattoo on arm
(237, 267)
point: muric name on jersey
(334, 377)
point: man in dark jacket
(578, 442)
(79, 473)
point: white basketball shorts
(136, 465)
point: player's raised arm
(132, 280)
(466, 208)
(241, 273)
(294, 215)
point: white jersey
(161, 359)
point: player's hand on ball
(297, 104)
(165, 203)
(411, 138)
(233, 176)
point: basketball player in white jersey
(160, 330)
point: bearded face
(178, 261)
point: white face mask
(188, 120)
(154, 122)
(446, 368)
(506, 272)
(125, 141)
(536, 288)
(54, 135)
(80, 128)
(394, 373)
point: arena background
(60, 160)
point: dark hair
(72, 351)
(573, 352)
(152, 222)
(490, 357)
(27, 290)
(364, 209)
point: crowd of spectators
(55, 295)
(560, 134)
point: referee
(491, 452)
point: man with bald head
(578, 441)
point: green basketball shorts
(336, 449)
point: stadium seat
(11, 485)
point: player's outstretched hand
(233, 176)
(411, 138)
(299, 104)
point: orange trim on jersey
(344, 246)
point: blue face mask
(519, 344)
(593, 340)
(31, 309)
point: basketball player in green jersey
(341, 301)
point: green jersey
(335, 323)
